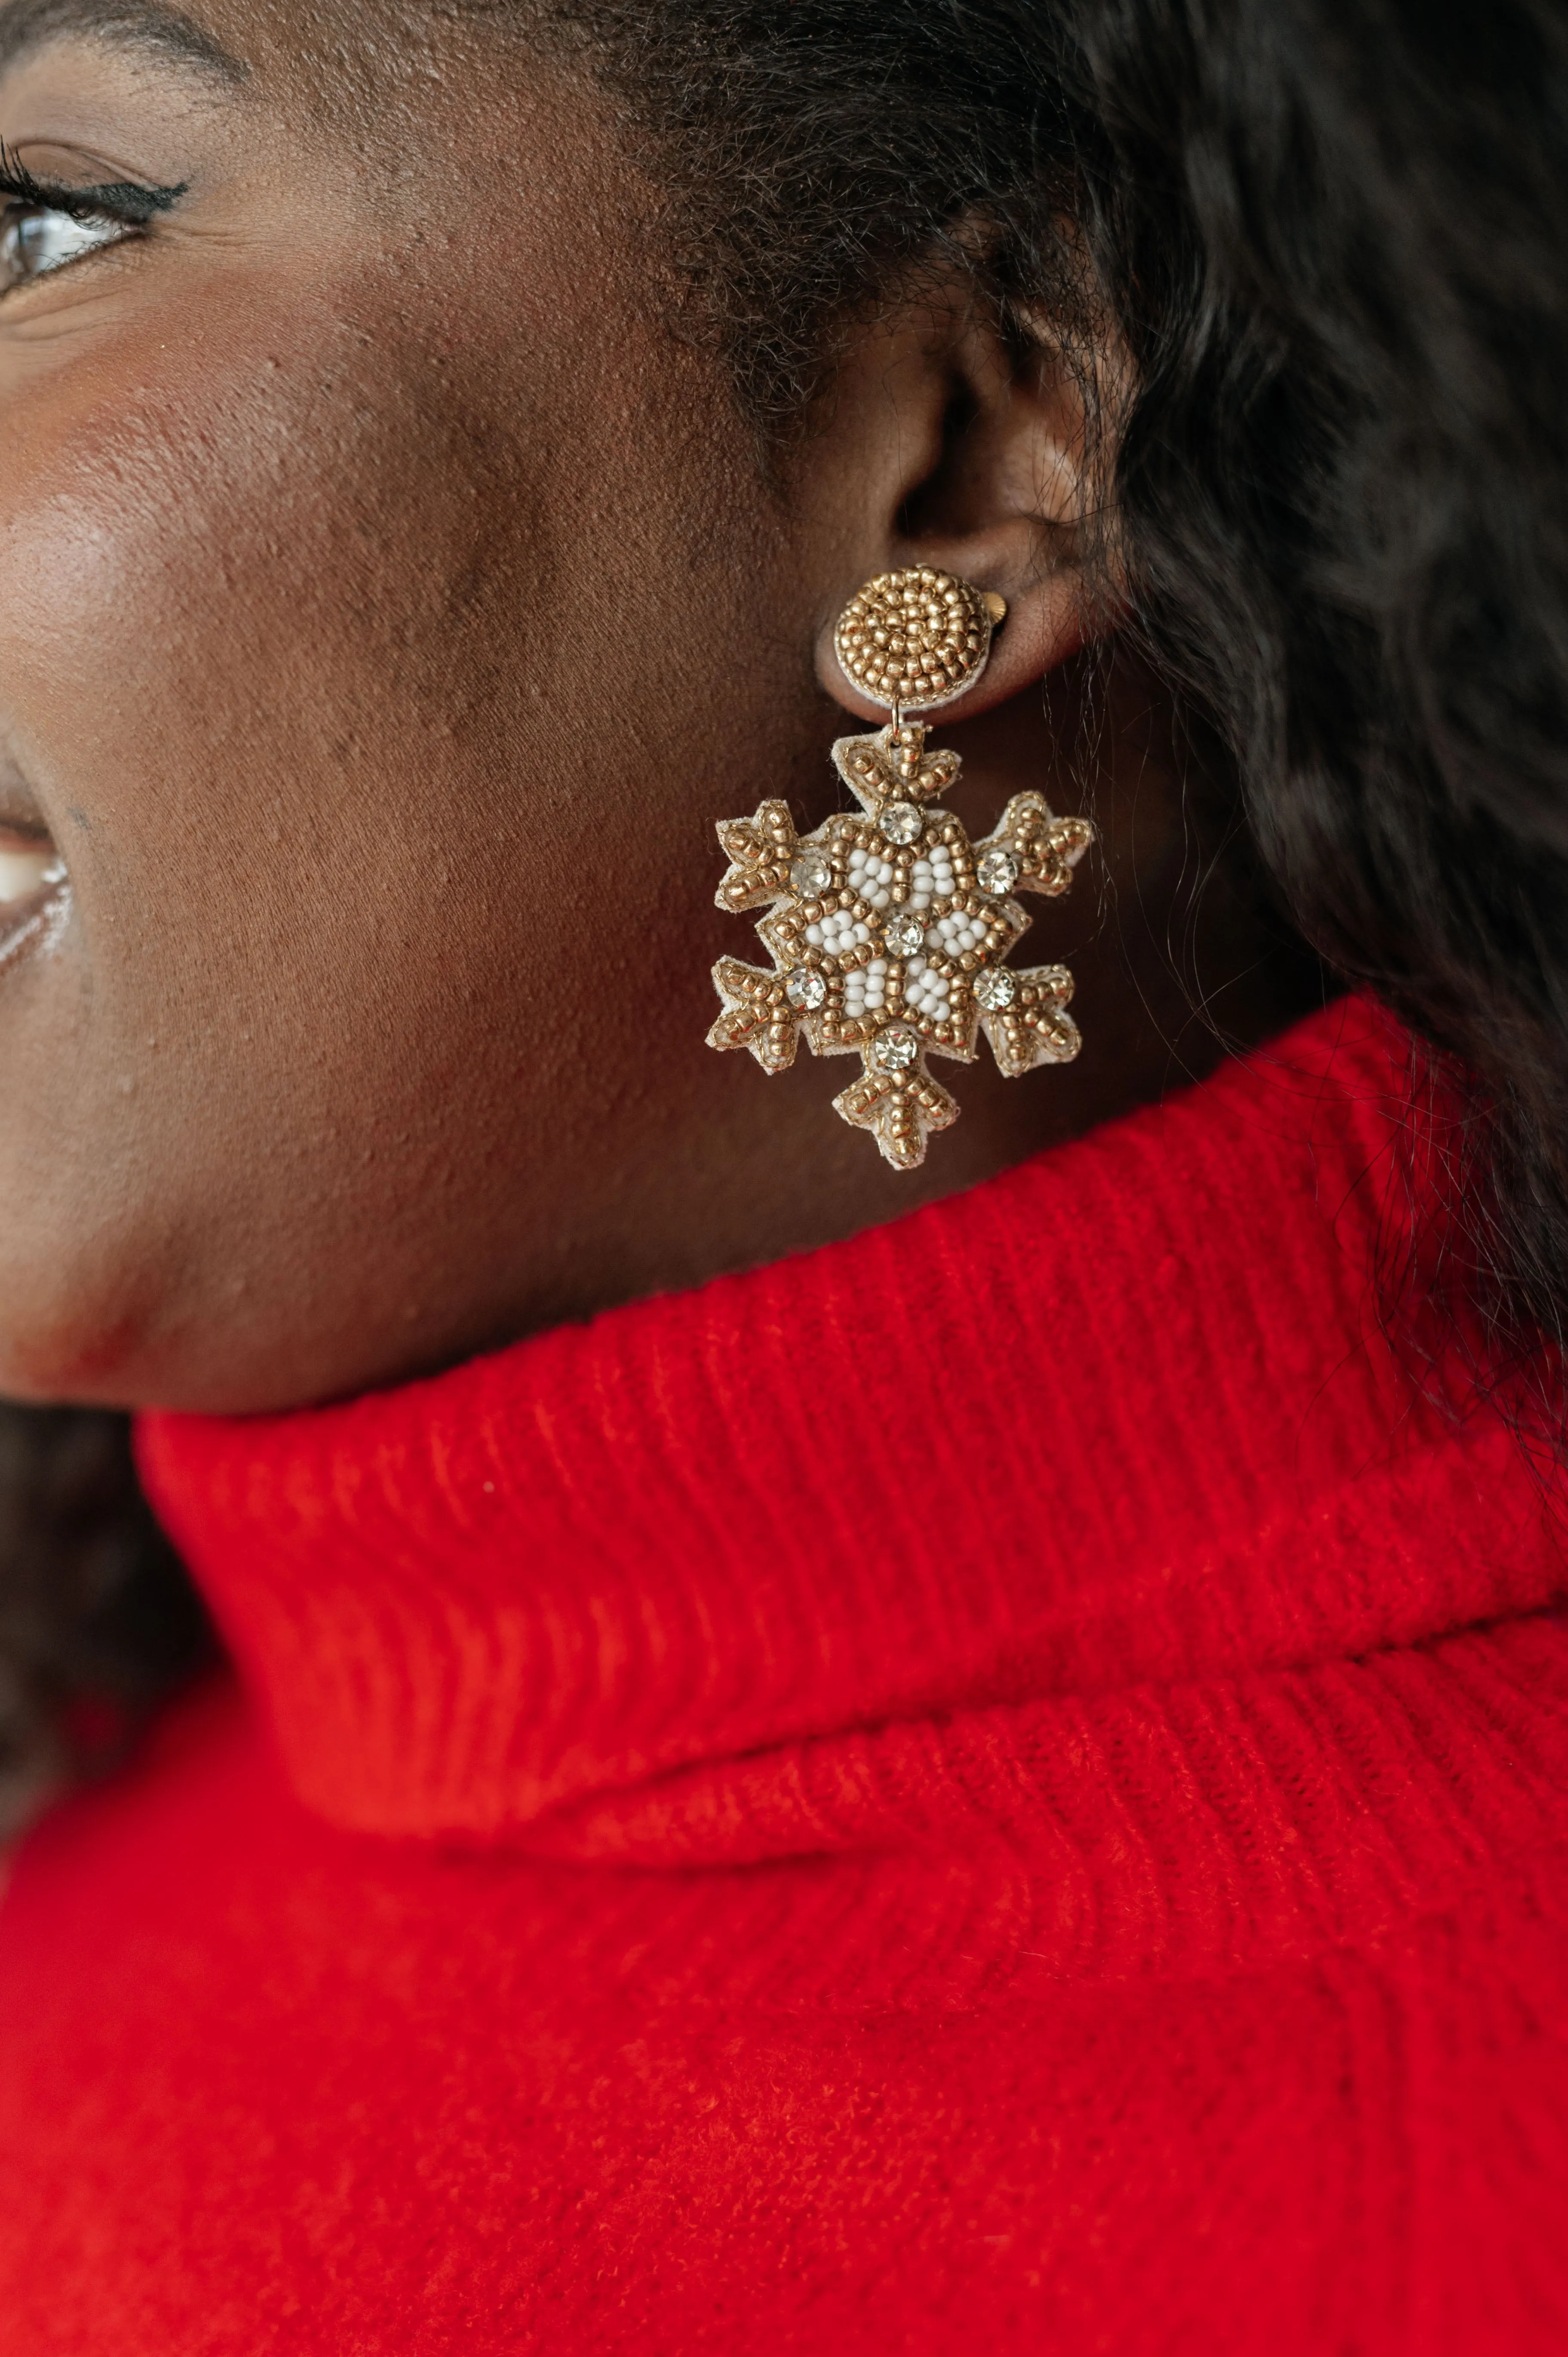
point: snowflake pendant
(888, 934)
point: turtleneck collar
(1119, 1418)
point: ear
(950, 443)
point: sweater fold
(1122, 1418)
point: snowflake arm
(1033, 1027)
(901, 1109)
(878, 772)
(1044, 849)
(756, 1014)
(759, 851)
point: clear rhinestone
(805, 988)
(811, 875)
(996, 988)
(895, 1049)
(902, 822)
(997, 872)
(904, 935)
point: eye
(37, 238)
(28, 864)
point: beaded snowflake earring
(888, 930)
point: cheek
(229, 670)
(352, 662)
(185, 567)
(275, 620)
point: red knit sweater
(998, 1787)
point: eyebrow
(27, 24)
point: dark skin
(389, 604)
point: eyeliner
(124, 200)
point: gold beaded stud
(917, 639)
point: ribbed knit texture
(998, 1788)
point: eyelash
(118, 205)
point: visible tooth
(22, 872)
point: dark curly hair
(1329, 233)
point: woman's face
(391, 601)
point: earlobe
(1049, 621)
